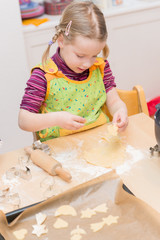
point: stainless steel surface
(157, 125)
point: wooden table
(143, 179)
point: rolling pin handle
(48, 163)
(63, 174)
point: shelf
(128, 6)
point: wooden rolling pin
(47, 163)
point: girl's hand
(118, 109)
(120, 118)
(33, 122)
(69, 121)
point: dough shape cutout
(112, 134)
(95, 227)
(110, 220)
(40, 218)
(78, 231)
(60, 223)
(76, 237)
(88, 213)
(20, 234)
(39, 230)
(65, 210)
(102, 208)
(112, 129)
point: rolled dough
(106, 154)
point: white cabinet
(134, 42)
(36, 41)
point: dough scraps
(112, 129)
(110, 220)
(40, 218)
(102, 208)
(20, 234)
(106, 154)
(39, 230)
(88, 213)
(65, 210)
(60, 223)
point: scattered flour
(133, 156)
(71, 160)
(10, 182)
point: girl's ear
(60, 41)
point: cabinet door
(36, 43)
(134, 41)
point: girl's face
(81, 54)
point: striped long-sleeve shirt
(37, 84)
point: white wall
(13, 76)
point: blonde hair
(87, 21)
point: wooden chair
(134, 99)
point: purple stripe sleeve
(34, 92)
(108, 78)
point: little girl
(66, 93)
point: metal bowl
(157, 124)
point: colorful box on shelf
(30, 9)
(55, 7)
(117, 2)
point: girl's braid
(55, 37)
